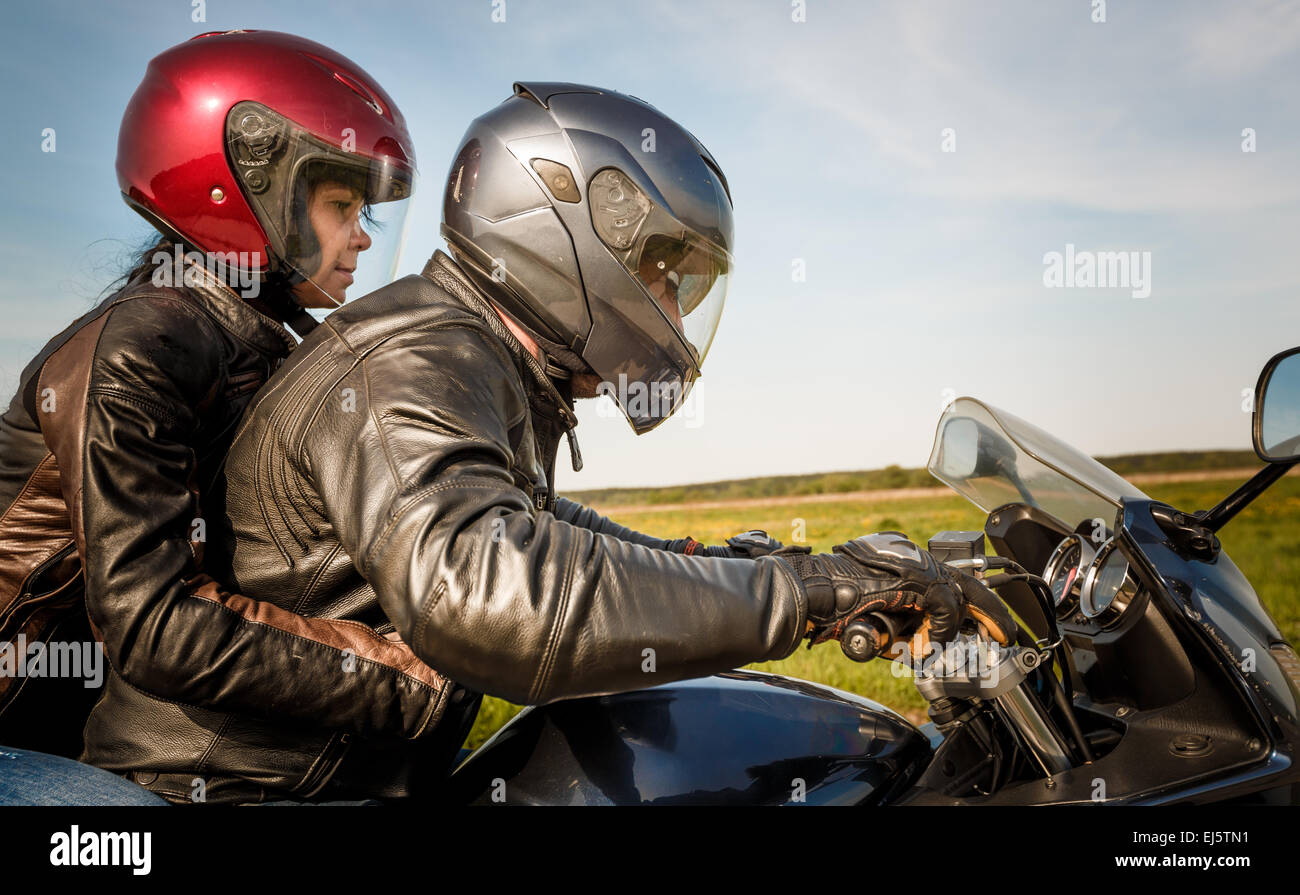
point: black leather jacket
(106, 456)
(399, 468)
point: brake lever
(979, 563)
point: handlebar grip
(862, 640)
(869, 636)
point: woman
(264, 160)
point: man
(398, 470)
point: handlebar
(870, 635)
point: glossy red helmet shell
(172, 164)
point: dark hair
(275, 298)
(140, 259)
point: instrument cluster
(1093, 580)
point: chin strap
(560, 363)
(295, 315)
(301, 322)
(281, 303)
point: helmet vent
(349, 82)
(522, 90)
(359, 90)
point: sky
(902, 174)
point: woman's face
(334, 210)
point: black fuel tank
(739, 738)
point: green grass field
(765, 487)
(1262, 541)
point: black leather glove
(753, 544)
(747, 545)
(887, 573)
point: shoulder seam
(379, 429)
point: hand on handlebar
(746, 545)
(862, 584)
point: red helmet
(231, 133)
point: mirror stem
(1238, 500)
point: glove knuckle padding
(888, 550)
(756, 543)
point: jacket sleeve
(130, 391)
(506, 599)
(585, 517)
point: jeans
(36, 778)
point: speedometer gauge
(1065, 570)
(1108, 586)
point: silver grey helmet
(602, 225)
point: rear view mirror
(1277, 409)
(971, 449)
(960, 451)
(968, 449)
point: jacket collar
(446, 273)
(236, 315)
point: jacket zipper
(26, 590)
(329, 760)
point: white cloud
(1103, 122)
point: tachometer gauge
(1064, 572)
(1108, 586)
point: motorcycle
(1146, 670)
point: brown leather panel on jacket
(33, 528)
(338, 633)
(67, 374)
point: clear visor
(335, 218)
(684, 274)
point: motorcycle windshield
(992, 458)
